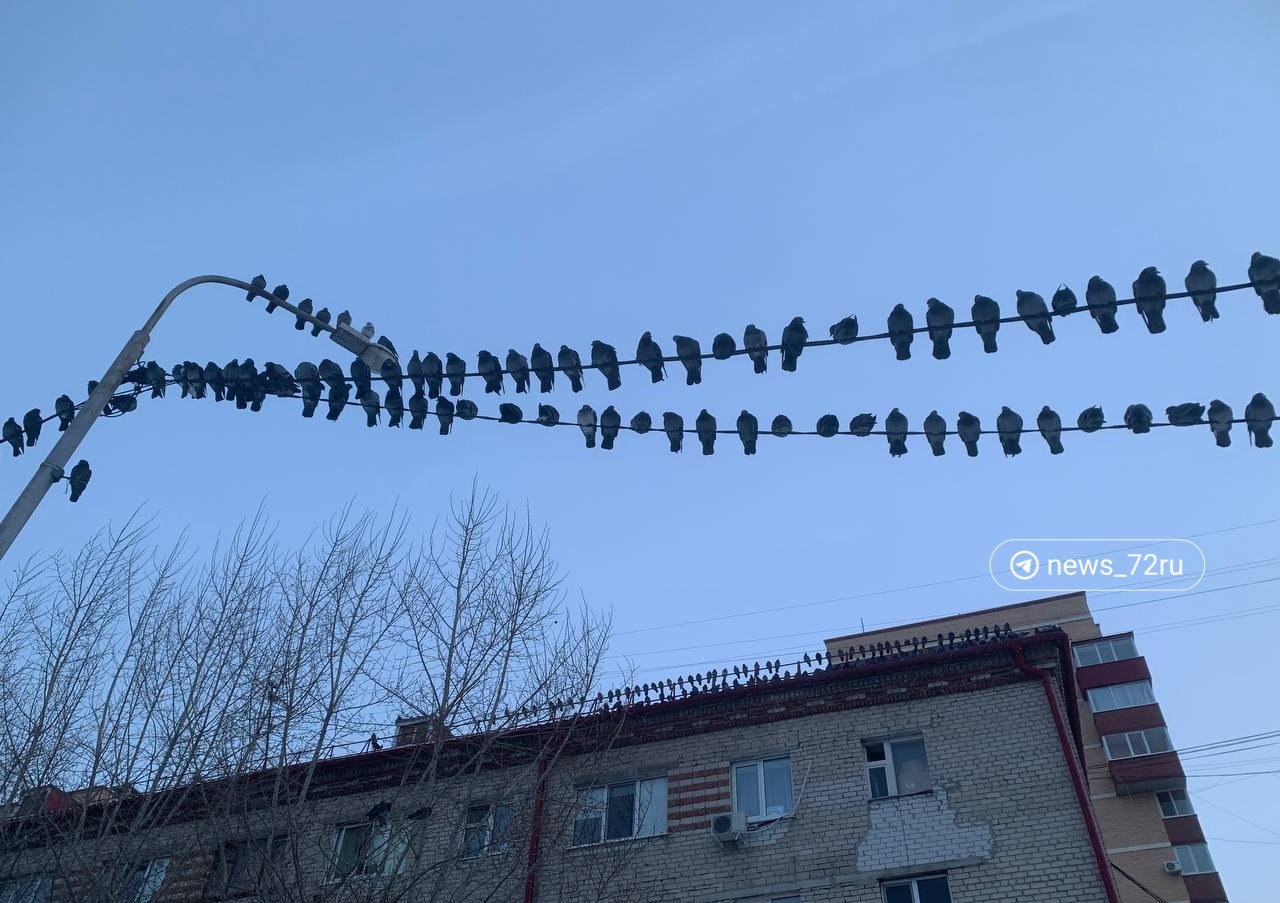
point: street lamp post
(51, 469)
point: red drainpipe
(1077, 779)
(535, 832)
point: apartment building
(1136, 781)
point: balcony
(1147, 774)
(1205, 888)
(1127, 670)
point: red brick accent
(1134, 719)
(1145, 773)
(1122, 672)
(1205, 888)
(1184, 829)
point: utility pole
(52, 469)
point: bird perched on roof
(650, 357)
(1264, 273)
(1090, 420)
(344, 318)
(1259, 414)
(543, 368)
(939, 318)
(416, 374)
(394, 403)
(455, 368)
(367, 330)
(748, 430)
(828, 425)
(604, 357)
(305, 310)
(1220, 417)
(587, 423)
(433, 374)
(548, 415)
(372, 405)
(571, 365)
(32, 423)
(1187, 414)
(610, 423)
(794, 335)
(723, 346)
(862, 425)
(259, 282)
(845, 332)
(781, 426)
(65, 408)
(673, 426)
(935, 431)
(392, 375)
(895, 430)
(641, 423)
(338, 397)
(362, 377)
(418, 410)
(969, 429)
(1149, 294)
(490, 371)
(79, 478)
(985, 314)
(518, 367)
(757, 346)
(324, 317)
(308, 378)
(1202, 283)
(1035, 314)
(1009, 428)
(281, 292)
(1100, 295)
(444, 413)
(901, 325)
(466, 409)
(509, 413)
(690, 353)
(706, 427)
(1064, 301)
(1138, 417)
(1050, 426)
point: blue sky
(488, 175)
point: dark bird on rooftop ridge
(673, 426)
(372, 405)
(587, 423)
(1009, 429)
(32, 424)
(571, 366)
(156, 379)
(362, 377)
(794, 335)
(827, 426)
(895, 430)
(394, 403)
(518, 367)
(1202, 283)
(456, 369)
(748, 430)
(214, 379)
(939, 318)
(79, 478)
(367, 330)
(1050, 426)
(490, 370)
(433, 373)
(324, 317)
(901, 324)
(510, 413)
(543, 368)
(1220, 417)
(610, 423)
(690, 353)
(331, 373)
(1064, 301)
(339, 394)
(935, 431)
(258, 282)
(308, 378)
(1035, 314)
(280, 292)
(1138, 417)
(1090, 420)
(1259, 414)
(305, 306)
(650, 356)
(781, 426)
(392, 375)
(417, 375)
(418, 410)
(1264, 273)
(985, 314)
(444, 413)
(195, 378)
(641, 423)
(467, 410)
(846, 331)
(604, 357)
(1149, 294)
(862, 425)
(344, 318)
(723, 346)
(548, 415)
(1100, 295)
(969, 429)
(705, 424)
(1189, 413)
(388, 344)
(65, 408)
(757, 345)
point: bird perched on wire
(706, 427)
(1100, 295)
(65, 408)
(509, 413)
(1009, 429)
(32, 423)
(939, 318)
(215, 379)
(433, 374)
(394, 403)
(548, 415)
(79, 478)
(895, 430)
(1090, 420)
(1050, 426)
(543, 368)
(587, 423)
(467, 410)
(757, 346)
(305, 308)
(862, 425)
(673, 426)
(1064, 301)
(179, 374)
(935, 432)
(195, 378)
(794, 335)
(1187, 414)
(362, 377)
(444, 413)
(155, 377)
(650, 357)
(339, 394)
(604, 357)
(1138, 417)
(455, 368)
(1202, 283)
(969, 429)
(372, 405)
(416, 374)
(845, 332)
(1149, 294)
(1035, 314)
(748, 431)
(518, 367)
(1264, 273)
(641, 423)
(571, 365)
(324, 317)
(827, 426)
(280, 292)
(610, 423)
(1220, 417)
(247, 385)
(781, 426)
(278, 381)
(1259, 414)
(723, 346)
(901, 325)
(690, 353)
(392, 375)
(308, 378)
(259, 283)
(490, 371)
(985, 314)
(330, 373)
(418, 410)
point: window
(621, 811)
(140, 882)
(247, 866)
(1121, 696)
(930, 889)
(488, 830)
(367, 849)
(1174, 803)
(1137, 743)
(1194, 858)
(897, 767)
(1105, 651)
(27, 889)
(762, 789)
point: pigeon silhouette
(416, 374)
(330, 373)
(362, 378)
(418, 410)
(690, 354)
(1264, 273)
(706, 427)
(79, 478)
(748, 430)
(543, 368)
(1259, 414)
(338, 396)
(548, 415)
(757, 346)
(828, 425)
(610, 423)
(518, 367)
(781, 426)
(1202, 283)
(1090, 420)
(308, 377)
(673, 426)
(1009, 428)
(490, 371)
(1149, 294)
(156, 378)
(969, 429)
(455, 368)
(195, 378)
(281, 293)
(939, 318)
(324, 317)
(1100, 295)
(985, 314)
(388, 344)
(794, 335)
(1050, 426)
(587, 423)
(901, 325)
(571, 365)
(344, 318)
(642, 423)
(845, 332)
(392, 375)
(259, 283)
(444, 413)
(1190, 413)
(433, 373)
(650, 357)
(305, 311)
(723, 347)
(895, 430)
(214, 379)
(394, 403)
(1220, 417)
(368, 330)
(1035, 314)
(65, 408)
(1064, 301)
(467, 410)
(1138, 417)
(372, 406)
(32, 423)
(509, 413)
(862, 425)
(604, 357)
(935, 431)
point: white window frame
(149, 875)
(1149, 741)
(889, 765)
(1195, 855)
(384, 841)
(1121, 696)
(1106, 651)
(1175, 803)
(25, 889)
(590, 808)
(761, 800)
(493, 845)
(914, 884)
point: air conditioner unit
(729, 827)
(1173, 868)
